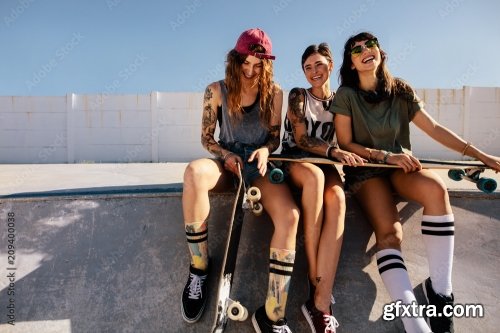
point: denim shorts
(250, 171)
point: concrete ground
(101, 248)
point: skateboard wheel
(487, 185)
(236, 311)
(456, 174)
(257, 209)
(253, 194)
(276, 176)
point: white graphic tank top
(319, 121)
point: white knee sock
(395, 277)
(438, 234)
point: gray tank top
(247, 131)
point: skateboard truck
(487, 185)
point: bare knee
(335, 197)
(195, 175)
(435, 199)
(390, 240)
(288, 222)
(436, 190)
(314, 177)
(309, 178)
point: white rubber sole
(308, 318)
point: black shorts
(355, 176)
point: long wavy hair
(233, 83)
(387, 85)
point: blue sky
(55, 47)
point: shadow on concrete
(118, 263)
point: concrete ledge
(101, 248)
(146, 190)
(116, 261)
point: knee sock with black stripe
(438, 233)
(280, 272)
(197, 238)
(392, 269)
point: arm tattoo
(310, 142)
(296, 105)
(208, 125)
(273, 141)
(297, 118)
(208, 95)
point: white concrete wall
(165, 127)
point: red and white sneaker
(319, 322)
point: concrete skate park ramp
(116, 261)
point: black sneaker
(194, 296)
(318, 321)
(312, 289)
(262, 324)
(441, 324)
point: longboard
(457, 170)
(227, 308)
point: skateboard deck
(228, 308)
(457, 170)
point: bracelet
(375, 159)
(466, 147)
(328, 150)
(370, 151)
(224, 158)
(386, 156)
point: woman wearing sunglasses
(373, 112)
(309, 131)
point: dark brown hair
(387, 85)
(323, 49)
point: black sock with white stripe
(197, 239)
(439, 237)
(281, 263)
(392, 269)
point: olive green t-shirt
(382, 125)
